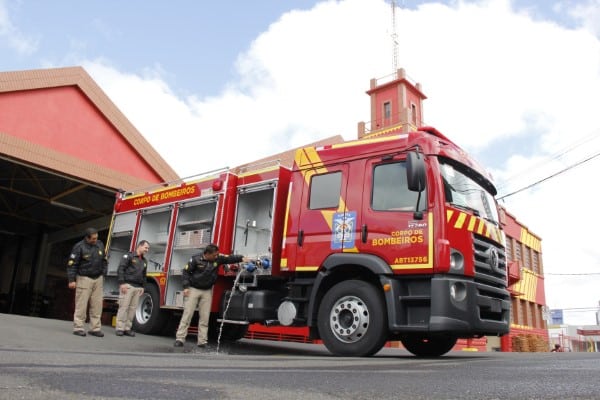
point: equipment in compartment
(179, 299)
(192, 239)
(162, 237)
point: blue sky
(516, 83)
(193, 43)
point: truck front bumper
(446, 304)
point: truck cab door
(322, 224)
(392, 227)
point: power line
(583, 273)
(549, 177)
(555, 156)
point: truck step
(296, 299)
(415, 298)
(301, 282)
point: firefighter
(199, 275)
(86, 268)
(131, 275)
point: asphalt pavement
(40, 359)
(20, 332)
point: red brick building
(528, 330)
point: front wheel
(428, 345)
(149, 318)
(353, 319)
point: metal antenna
(394, 38)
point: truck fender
(373, 263)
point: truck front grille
(487, 270)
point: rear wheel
(428, 345)
(353, 319)
(149, 318)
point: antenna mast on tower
(394, 38)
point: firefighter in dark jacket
(199, 275)
(86, 268)
(131, 275)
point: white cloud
(10, 36)
(491, 74)
(587, 13)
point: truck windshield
(463, 192)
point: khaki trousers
(201, 299)
(128, 303)
(88, 291)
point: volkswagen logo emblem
(493, 258)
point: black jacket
(87, 260)
(202, 274)
(132, 270)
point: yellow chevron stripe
(472, 221)
(475, 224)
(481, 226)
(460, 220)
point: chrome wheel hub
(349, 319)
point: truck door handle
(363, 233)
(300, 237)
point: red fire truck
(394, 237)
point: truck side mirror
(415, 171)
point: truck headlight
(457, 262)
(458, 291)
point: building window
(527, 257)
(535, 262)
(509, 255)
(539, 316)
(518, 251)
(523, 309)
(542, 315)
(514, 315)
(413, 113)
(387, 110)
(325, 190)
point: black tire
(352, 319)
(428, 345)
(149, 318)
